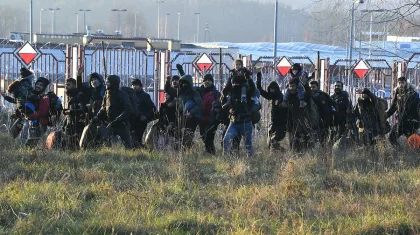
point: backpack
(133, 99)
(56, 108)
(256, 107)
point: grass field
(113, 191)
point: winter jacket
(239, 112)
(76, 118)
(95, 95)
(42, 112)
(173, 92)
(343, 108)
(324, 103)
(208, 95)
(190, 94)
(278, 112)
(116, 106)
(407, 103)
(367, 113)
(145, 105)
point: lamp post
(158, 23)
(31, 22)
(84, 18)
(135, 24)
(40, 20)
(53, 10)
(166, 24)
(118, 32)
(198, 25)
(350, 80)
(77, 22)
(370, 27)
(179, 20)
(275, 30)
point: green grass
(112, 191)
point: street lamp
(350, 81)
(40, 20)
(135, 24)
(158, 24)
(53, 10)
(118, 32)
(166, 24)
(77, 22)
(84, 18)
(179, 19)
(370, 27)
(198, 24)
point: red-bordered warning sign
(283, 66)
(361, 69)
(27, 53)
(204, 63)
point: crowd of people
(100, 110)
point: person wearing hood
(240, 117)
(406, 102)
(94, 89)
(368, 122)
(146, 109)
(273, 93)
(75, 113)
(116, 110)
(342, 118)
(172, 86)
(296, 71)
(208, 128)
(192, 108)
(325, 106)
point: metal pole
(118, 25)
(370, 35)
(198, 26)
(84, 21)
(275, 30)
(179, 19)
(40, 21)
(166, 24)
(31, 29)
(158, 24)
(77, 22)
(52, 22)
(350, 80)
(135, 24)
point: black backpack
(56, 108)
(133, 99)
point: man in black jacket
(406, 102)
(146, 109)
(240, 117)
(342, 117)
(116, 110)
(277, 130)
(324, 103)
(75, 113)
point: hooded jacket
(116, 106)
(406, 102)
(324, 103)
(190, 94)
(145, 105)
(95, 95)
(278, 112)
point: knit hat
(45, 82)
(25, 73)
(402, 79)
(208, 77)
(136, 82)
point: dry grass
(113, 191)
